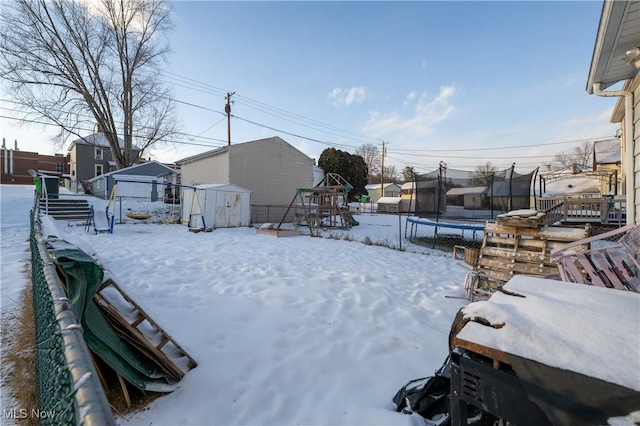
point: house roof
(607, 151)
(617, 33)
(224, 149)
(169, 170)
(472, 190)
(96, 139)
(376, 186)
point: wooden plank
(488, 352)
(519, 256)
(604, 267)
(588, 267)
(577, 274)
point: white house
(388, 190)
(616, 59)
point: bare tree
(372, 158)
(483, 174)
(580, 156)
(75, 64)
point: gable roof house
(90, 156)
(144, 180)
(270, 168)
(616, 59)
(389, 189)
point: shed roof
(389, 200)
(226, 187)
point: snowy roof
(473, 190)
(389, 200)
(169, 170)
(376, 186)
(228, 187)
(576, 185)
(607, 151)
(97, 139)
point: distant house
(270, 168)
(145, 180)
(616, 59)
(15, 165)
(388, 190)
(470, 198)
(90, 156)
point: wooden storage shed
(220, 205)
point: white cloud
(346, 97)
(424, 113)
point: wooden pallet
(135, 326)
(613, 266)
(511, 250)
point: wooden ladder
(135, 326)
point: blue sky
(459, 82)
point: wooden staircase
(65, 208)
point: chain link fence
(399, 231)
(70, 392)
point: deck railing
(607, 210)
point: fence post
(400, 229)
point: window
(98, 169)
(98, 154)
(59, 167)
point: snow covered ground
(294, 330)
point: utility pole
(227, 109)
(382, 173)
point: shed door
(228, 210)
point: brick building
(15, 165)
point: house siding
(272, 169)
(636, 145)
(213, 169)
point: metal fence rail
(70, 392)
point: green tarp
(83, 277)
